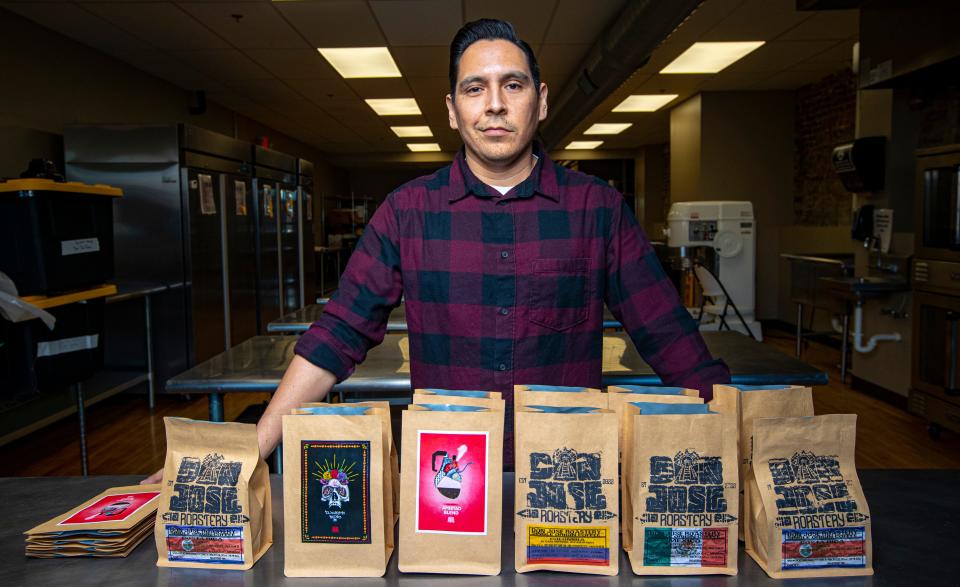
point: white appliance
(729, 229)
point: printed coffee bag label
(817, 514)
(335, 491)
(686, 490)
(686, 496)
(205, 493)
(205, 514)
(567, 487)
(452, 482)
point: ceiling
(259, 57)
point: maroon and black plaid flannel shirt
(509, 289)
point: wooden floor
(125, 437)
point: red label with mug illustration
(113, 508)
(452, 482)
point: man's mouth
(495, 131)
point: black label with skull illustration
(335, 477)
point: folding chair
(720, 300)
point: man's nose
(495, 103)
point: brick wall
(825, 117)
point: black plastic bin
(37, 359)
(56, 236)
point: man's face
(496, 107)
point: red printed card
(113, 508)
(452, 482)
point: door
(938, 207)
(936, 362)
(204, 274)
(308, 275)
(269, 307)
(240, 220)
(289, 248)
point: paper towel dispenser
(860, 164)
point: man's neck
(509, 174)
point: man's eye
(514, 86)
(473, 90)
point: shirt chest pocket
(557, 292)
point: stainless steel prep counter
(258, 364)
(915, 513)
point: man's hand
(153, 479)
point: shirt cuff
(321, 353)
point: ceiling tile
(321, 90)
(418, 22)
(579, 22)
(787, 80)
(161, 24)
(259, 25)
(558, 62)
(381, 87)
(224, 64)
(334, 23)
(777, 56)
(264, 91)
(529, 17)
(293, 63)
(755, 22)
(79, 24)
(422, 61)
(826, 25)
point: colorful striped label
(821, 548)
(568, 545)
(204, 544)
(685, 547)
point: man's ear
(451, 112)
(542, 105)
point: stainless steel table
(259, 363)
(916, 520)
(300, 320)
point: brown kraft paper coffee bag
(214, 510)
(566, 490)
(451, 490)
(808, 516)
(618, 397)
(683, 488)
(338, 519)
(764, 401)
(383, 410)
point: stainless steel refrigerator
(187, 219)
(308, 266)
(275, 182)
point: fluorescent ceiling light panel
(710, 57)
(614, 128)
(584, 145)
(394, 106)
(422, 147)
(361, 62)
(411, 131)
(645, 102)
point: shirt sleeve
(644, 300)
(355, 318)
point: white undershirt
(503, 189)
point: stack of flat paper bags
(109, 525)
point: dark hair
(488, 29)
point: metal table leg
(799, 327)
(843, 347)
(151, 393)
(216, 407)
(82, 417)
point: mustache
(497, 124)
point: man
(505, 260)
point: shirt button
(504, 254)
(504, 311)
(502, 367)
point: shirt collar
(542, 179)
